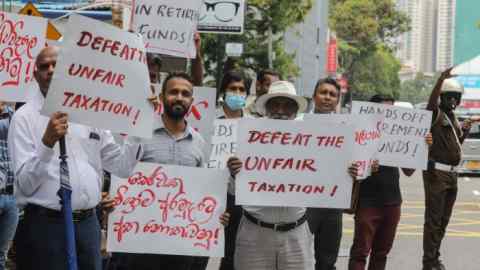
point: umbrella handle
(63, 148)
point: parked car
(470, 163)
(403, 104)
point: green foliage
(419, 89)
(260, 15)
(365, 30)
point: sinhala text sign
(21, 39)
(165, 209)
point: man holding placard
(33, 147)
(440, 180)
(275, 237)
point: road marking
(467, 179)
(476, 192)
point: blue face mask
(235, 102)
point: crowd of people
(256, 237)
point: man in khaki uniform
(440, 179)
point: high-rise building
(445, 33)
(308, 40)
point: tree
(366, 30)
(260, 16)
(419, 89)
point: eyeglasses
(224, 11)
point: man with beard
(440, 180)
(174, 142)
(274, 238)
(32, 144)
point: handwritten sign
(224, 143)
(368, 136)
(164, 209)
(294, 163)
(404, 132)
(218, 16)
(21, 40)
(168, 26)
(101, 79)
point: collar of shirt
(159, 126)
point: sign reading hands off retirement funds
(294, 163)
(403, 132)
(101, 79)
(368, 136)
(167, 26)
(164, 209)
(220, 16)
(21, 39)
(224, 143)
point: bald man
(34, 150)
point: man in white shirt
(34, 150)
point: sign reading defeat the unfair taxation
(101, 79)
(294, 163)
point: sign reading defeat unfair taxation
(101, 79)
(294, 163)
(168, 26)
(403, 130)
(21, 39)
(368, 136)
(164, 209)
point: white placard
(234, 49)
(368, 136)
(163, 209)
(21, 40)
(404, 131)
(294, 163)
(168, 26)
(218, 16)
(101, 79)
(224, 143)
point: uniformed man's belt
(280, 227)
(444, 167)
(78, 215)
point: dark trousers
(231, 233)
(159, 262)
(199, 263)
(41, 243)
(326, 225)
(375, 230)
(440, 195)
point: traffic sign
(30, 10)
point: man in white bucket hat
(274, 237)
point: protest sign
(21, 39)
(403, 130)
(101, 79)
(224, 143)
(168, 26)
(294, 163)
(368, 136)
(219, 16)
(163, 209)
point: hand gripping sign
(294, 163)
(101, 79)
(164, 209)
(21, 39)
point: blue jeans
(8, 224)
(42, 240)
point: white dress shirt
(37, 167)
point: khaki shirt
(446, 148)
